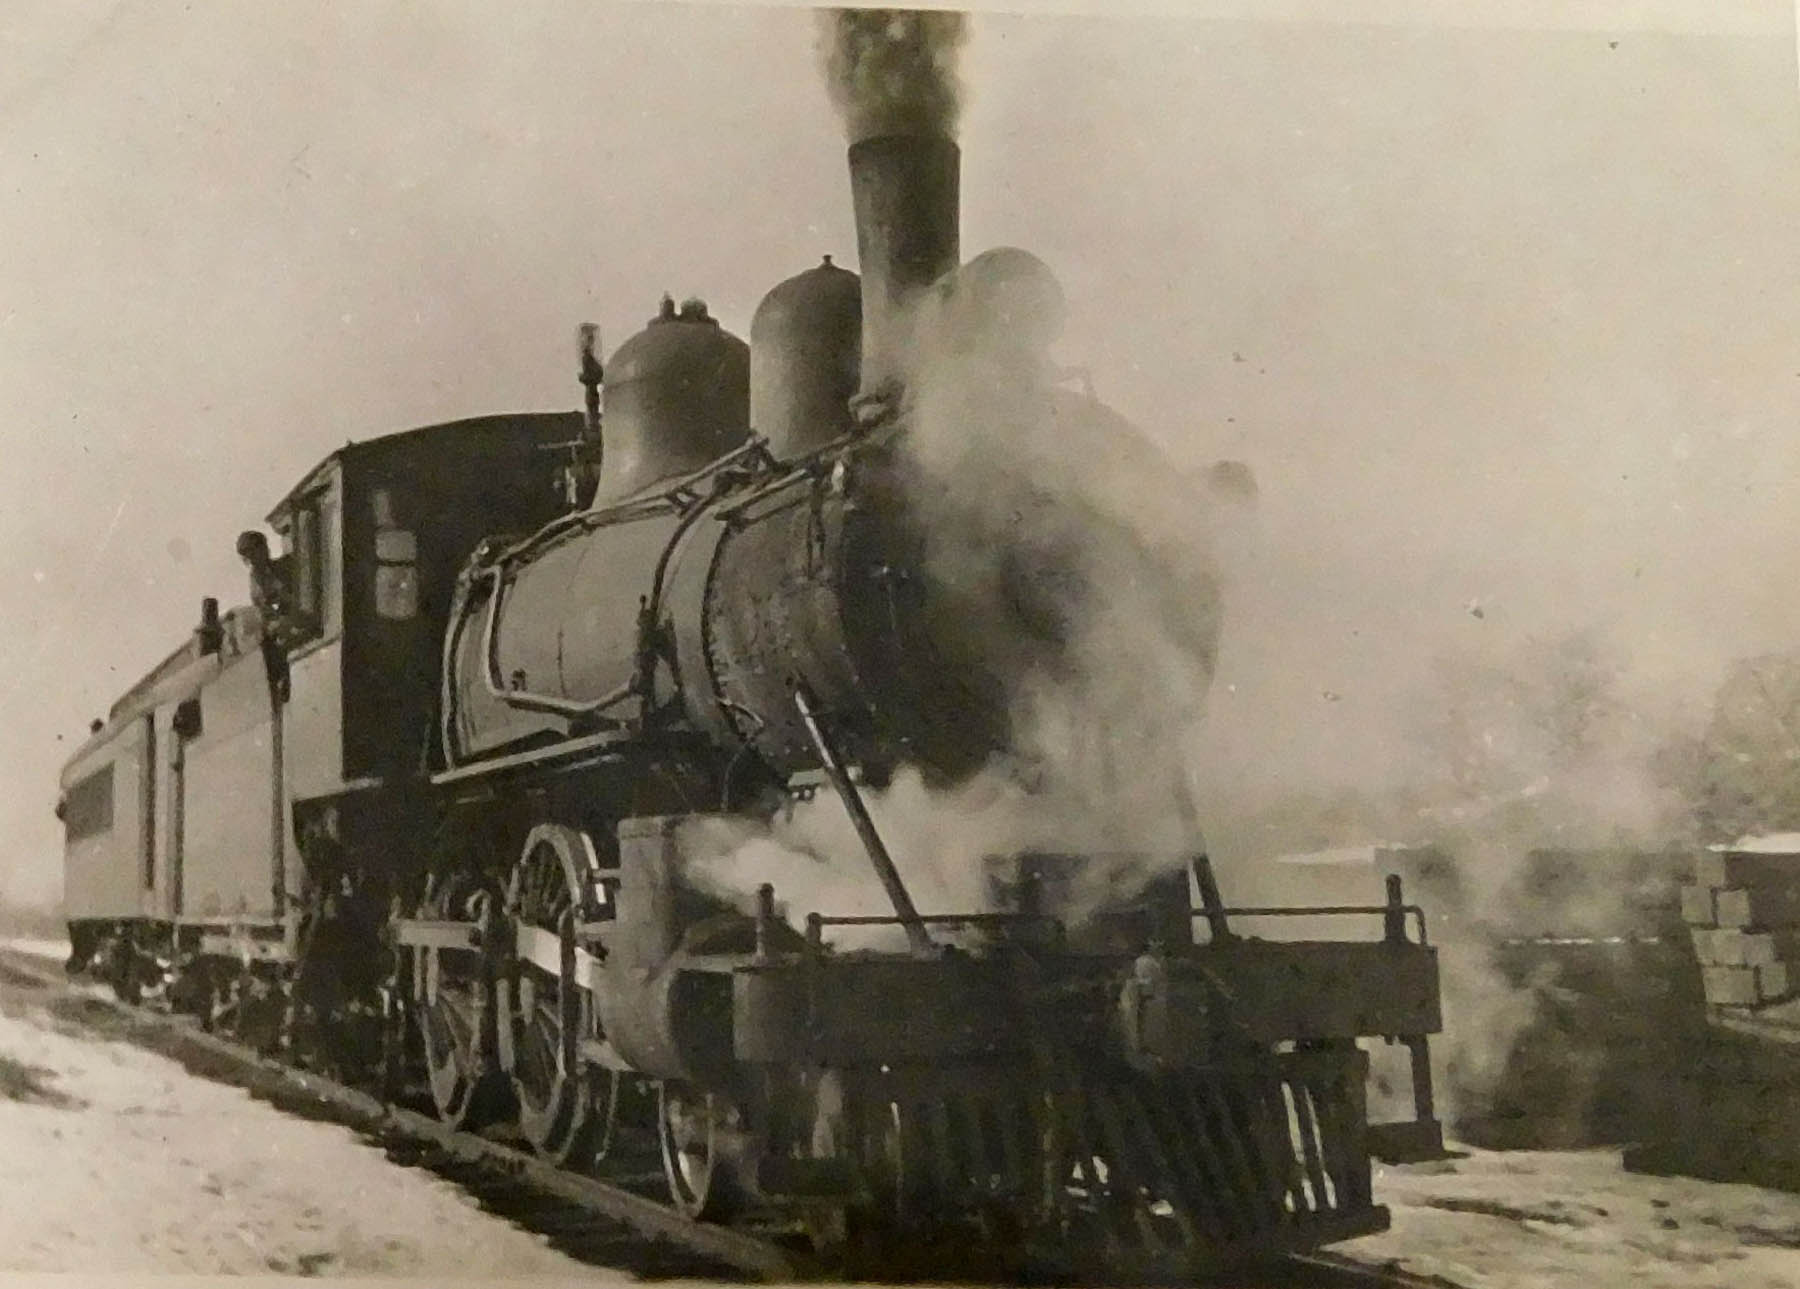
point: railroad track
(594, 1221)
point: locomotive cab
(373, 539)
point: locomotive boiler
(509, 667)
(716, 571)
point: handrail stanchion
(1212, 904)
(916, 935)
(1393, 917)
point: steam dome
(677, 397)
(804, 359)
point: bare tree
(1743, 775)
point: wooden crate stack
(1744, 912)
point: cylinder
(905, 191)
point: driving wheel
(452, 1018)
(564, 1103)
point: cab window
(314, 557)
(304, 549)
(396, 562)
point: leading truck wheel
(702, 1141)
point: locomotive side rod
(916, 935)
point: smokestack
(892, 77)
(905, 190)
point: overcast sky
(1499, 302)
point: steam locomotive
(422, 813)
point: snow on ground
(117, 1161)
(1577, 1220)
(53, 950)
(1775, 843)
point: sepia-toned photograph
(1031, 644)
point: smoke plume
(1037, 493)
(892, 71)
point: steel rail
(1324, 1270)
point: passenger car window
(88, 809)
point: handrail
(817, 922)
(1321, 910)
(882, 862)
(494, 566)
(527, 700)
(809, 463)
(669, 495)
(884, 919)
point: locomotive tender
(419, 813)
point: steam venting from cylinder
(892, 77)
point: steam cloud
(813, 858)
(1048, 518)
(1038, 503)
(892, 71)
(1543, 750)
(1549, 817)
(1023, 476)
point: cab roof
(449, 438)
